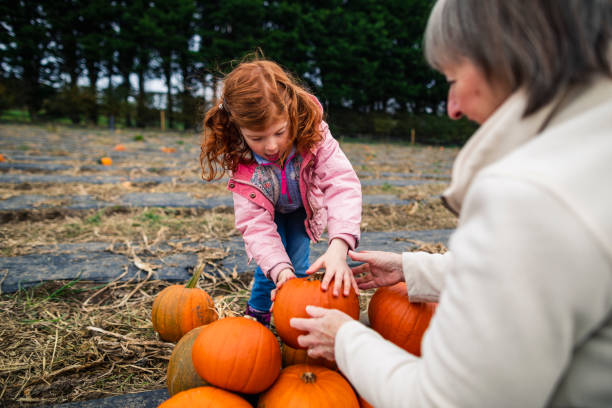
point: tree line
(360, 56)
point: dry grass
(79, 340)
(109, 192)
(413, 217)
(50, 227)
(23, 232)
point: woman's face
(470, 93)
(269, 143)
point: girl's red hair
(255, 95)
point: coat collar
(501, 134)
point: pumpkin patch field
(123, 279)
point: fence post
(162, 119)
(412, 136)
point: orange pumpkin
(237, 354)
(205, 397)
(119, 148)
(2, 158)
(178, 309)
(106, 161)
(397, 319)
(304, 386)
(293, 297)
(181, 374)
(292, 356)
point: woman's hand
(334, 262)
(322, 328)
(379, 268)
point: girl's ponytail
(222, 146)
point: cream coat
(525, 292)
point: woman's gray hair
(541, 45)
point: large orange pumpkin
(305, 386)
(237, 354)
(397, 319)
(293, 297)
(178, 309)
(205, 397)
(292, 356)
(181, 374)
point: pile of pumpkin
(234, 361)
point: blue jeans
(297, 244)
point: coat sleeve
(424, 274)
(511, 313)
(261, 239)
(342, 191)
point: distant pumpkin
(168, 149)
(2, 158)
(119, 148)
(106, 161)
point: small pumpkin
(119, 148)
(106, 161)
(205, 397)
(237, 354)
(178, 309)
(304, 386)
(2, 158)
(292, 356)
(397, 319)
(181, 374)
(293, 297)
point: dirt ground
(71, 341)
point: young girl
(288, 177)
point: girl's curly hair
(255, 95)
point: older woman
(525, 292)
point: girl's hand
(282, 277)
(379, 268)
(334, 262)
(322, 328)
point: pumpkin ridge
(258, 351)
(167, 318)
(233, 369)
(178, 326)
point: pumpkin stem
(196, 277)
(308, 377)
(317, 276)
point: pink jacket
(331, 194)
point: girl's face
(269, 143)
(470, 93)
